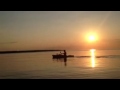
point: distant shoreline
(26, 51)
(31, 51)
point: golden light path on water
(92, 51)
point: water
(42, 66)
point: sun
(92, 38)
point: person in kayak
(65, 54)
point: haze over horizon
(26, 30)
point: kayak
(62, 56)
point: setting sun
(92, 38)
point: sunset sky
(23, 30)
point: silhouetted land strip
(26, 51)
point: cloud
(8, 42)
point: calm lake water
(102, 64)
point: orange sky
(59, 30)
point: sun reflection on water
(92, 57)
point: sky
(24, 30)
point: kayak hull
(62, 56)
